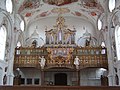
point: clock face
(9, 6)
(111, 5)
(99, 24)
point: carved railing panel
(61, 57)
(28, 56)
(91, 56)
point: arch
(87, 40)
(7, 21)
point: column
(107, 37)
(10, 77)
(78, 77)
(1, 76)
(3, 65)
(42, 78)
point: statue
(87, 43)
(42, 62)
(34, 43)
(76, 62)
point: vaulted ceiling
(32, 10)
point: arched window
(117, 39)
(111, 5)
(3, 35)
(99, 24)
(22, 25)
(9, 6)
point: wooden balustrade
(26, 60)
(93, 61)
(89, 57)
(28, 56)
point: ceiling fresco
(91, 4)
(38, 9)
(60, 10)
(59, 2)
(43, 14)
(29, 4)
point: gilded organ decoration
(60, 34)
(60, 55)
(60, 42)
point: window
(2, 41)
(117, 39)
(9, 6)
(111, 5)
(29, 80)
(22, 81)
(36, 81)
(22, 25)
(99, 24)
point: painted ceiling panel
(33, 10)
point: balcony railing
(89, 57)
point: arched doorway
(60, 79)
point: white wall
(69, 21)
(88, 77)
(30, 73)
(91, 76)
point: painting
(76, 13)
(43, 14)
(59, 2)
(29, 4)
(28, 14)
(93, 13)
(91, 4)
(60, 10)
